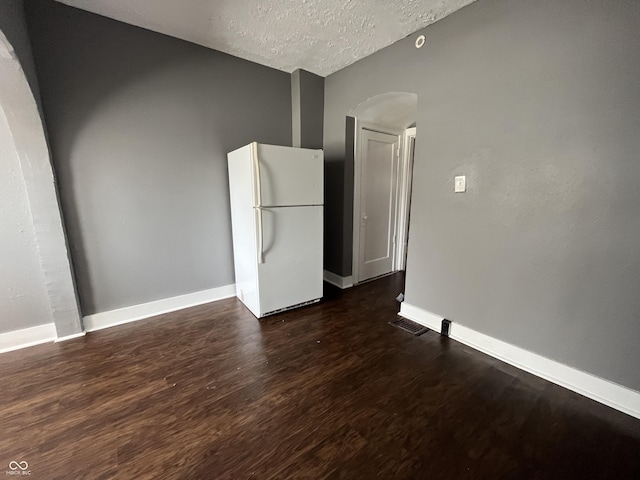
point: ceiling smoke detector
(420, 41)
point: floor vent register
(409, 326)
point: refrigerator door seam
(263, 207)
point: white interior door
(378, 189)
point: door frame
(357, 172)
(404, 197)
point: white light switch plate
(460, 184)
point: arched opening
(382, 135)
(395, 110)
(41, 243)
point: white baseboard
(98, 321)
(608, 393)
(418, 315)
(27, 337)
(337, 280)
(70, 337)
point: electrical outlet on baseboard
(446, 327)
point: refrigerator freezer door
(290, 176)
(292, 270)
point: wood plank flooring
(327, 391)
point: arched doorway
(383, 135)
(28, 143)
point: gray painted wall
(139, 125)
(296, 111)
(307, 108)
(312, 109)
(538, 104)
(13, 25)
(23, 297)
(336, 222)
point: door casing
(404, 196)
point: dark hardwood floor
(327, 391)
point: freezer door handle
(257, 191)
(260, 235)
(257, 187)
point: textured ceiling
(320, 36)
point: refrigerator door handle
(259, 231)
(257, 187)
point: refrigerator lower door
(292, 251)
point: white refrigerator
(276, 218)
